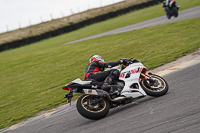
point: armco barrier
(72, 27)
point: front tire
(175, 10)
(159, 88)
(93, 111)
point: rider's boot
(107, 85)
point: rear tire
(157, 89)
(92, 111)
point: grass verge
(32, 76)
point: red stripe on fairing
(122, 75)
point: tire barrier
(72, 27)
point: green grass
(32, 76)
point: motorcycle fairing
(133, 71)
(79, 81)
(77, 85)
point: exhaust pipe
(99, 92)
(117, 99)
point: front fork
(145, 76)
(148, 77)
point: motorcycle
(171, 9)
(133, 83)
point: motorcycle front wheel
(156, 88)
(92, 107)
(175, 10)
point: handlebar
(127, 62)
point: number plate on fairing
(90, 91)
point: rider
(167, 4)
(95, 71)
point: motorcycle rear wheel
(159, 88)
(92, 111)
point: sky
(15, 14)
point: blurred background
(17, 14)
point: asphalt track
(183, 15)
(176, 112)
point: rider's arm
(112, 64)
(164, 3)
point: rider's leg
(114, 75)
(99, 76)
(167, 12)
(107, 77)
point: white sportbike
(133, 83)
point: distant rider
(95, 71)
(167, 4)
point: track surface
(176, 112)
(186, 14)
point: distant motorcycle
(171, 9)
(133, 83)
